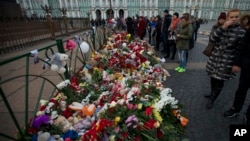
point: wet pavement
(190, 87)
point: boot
(215, 93)
(208, 95)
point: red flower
(150, 124)
(149, 110)
(159, 133)
(124, 134)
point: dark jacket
(243, 57)
(158, 28)
(223, 56)
(130, 26)
(166, 23)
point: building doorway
(98, 14)
(110, 14)
(121, 13)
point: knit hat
(166, 11)
(222, 16)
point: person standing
(173, 26)
(221, 20)
(242, 64)
(164, 32)
(219, 66)
(157, 35)
(141, 29)
(182, 45)
(197, 26)
(130, 26)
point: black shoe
(172, 58)
(231, 113)
(208, 95)
(209, 104)
(246, 121)
(167, 56)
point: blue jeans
(182, 53)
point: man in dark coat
(130, 26)
(242, 64)
(164, 33)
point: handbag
(208, 50)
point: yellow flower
(139, 106)
(96, 69)
(157, 115)
(112, 138)
(83, 84)
(117, 119)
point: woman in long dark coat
(130, 26)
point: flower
(139, 106)
(157, 115)
(148, 111)
(117, 119)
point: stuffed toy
(63, 123)
(58, 61)
(46, 136)
(84, 123)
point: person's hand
(227, 24)
(178, 35)
(236, 69)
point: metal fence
(24, 83)
(19, 33)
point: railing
(19, 33)
(24, 83)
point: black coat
(223, 56)
(243, 58)
(130, 26)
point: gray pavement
(190, 87)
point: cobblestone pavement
(190, 87)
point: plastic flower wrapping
(118, 95)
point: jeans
(182, 57)
(240, 95)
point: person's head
(165, 12)
(152, 18)
(158, 17)
(175, 15)
(140, 18)
(233, 15)
(185, 20)
(187, 15)
(245, 21)
(222, 18)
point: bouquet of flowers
(120, 98)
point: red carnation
(149, 110)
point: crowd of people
(178, 33)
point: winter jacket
(222, 58)
(185, 35)
(141, 29)
(158, 28)
(174, 24)
(243, 57)
(166, 23)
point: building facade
(99, 9)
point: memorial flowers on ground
(117, 96)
